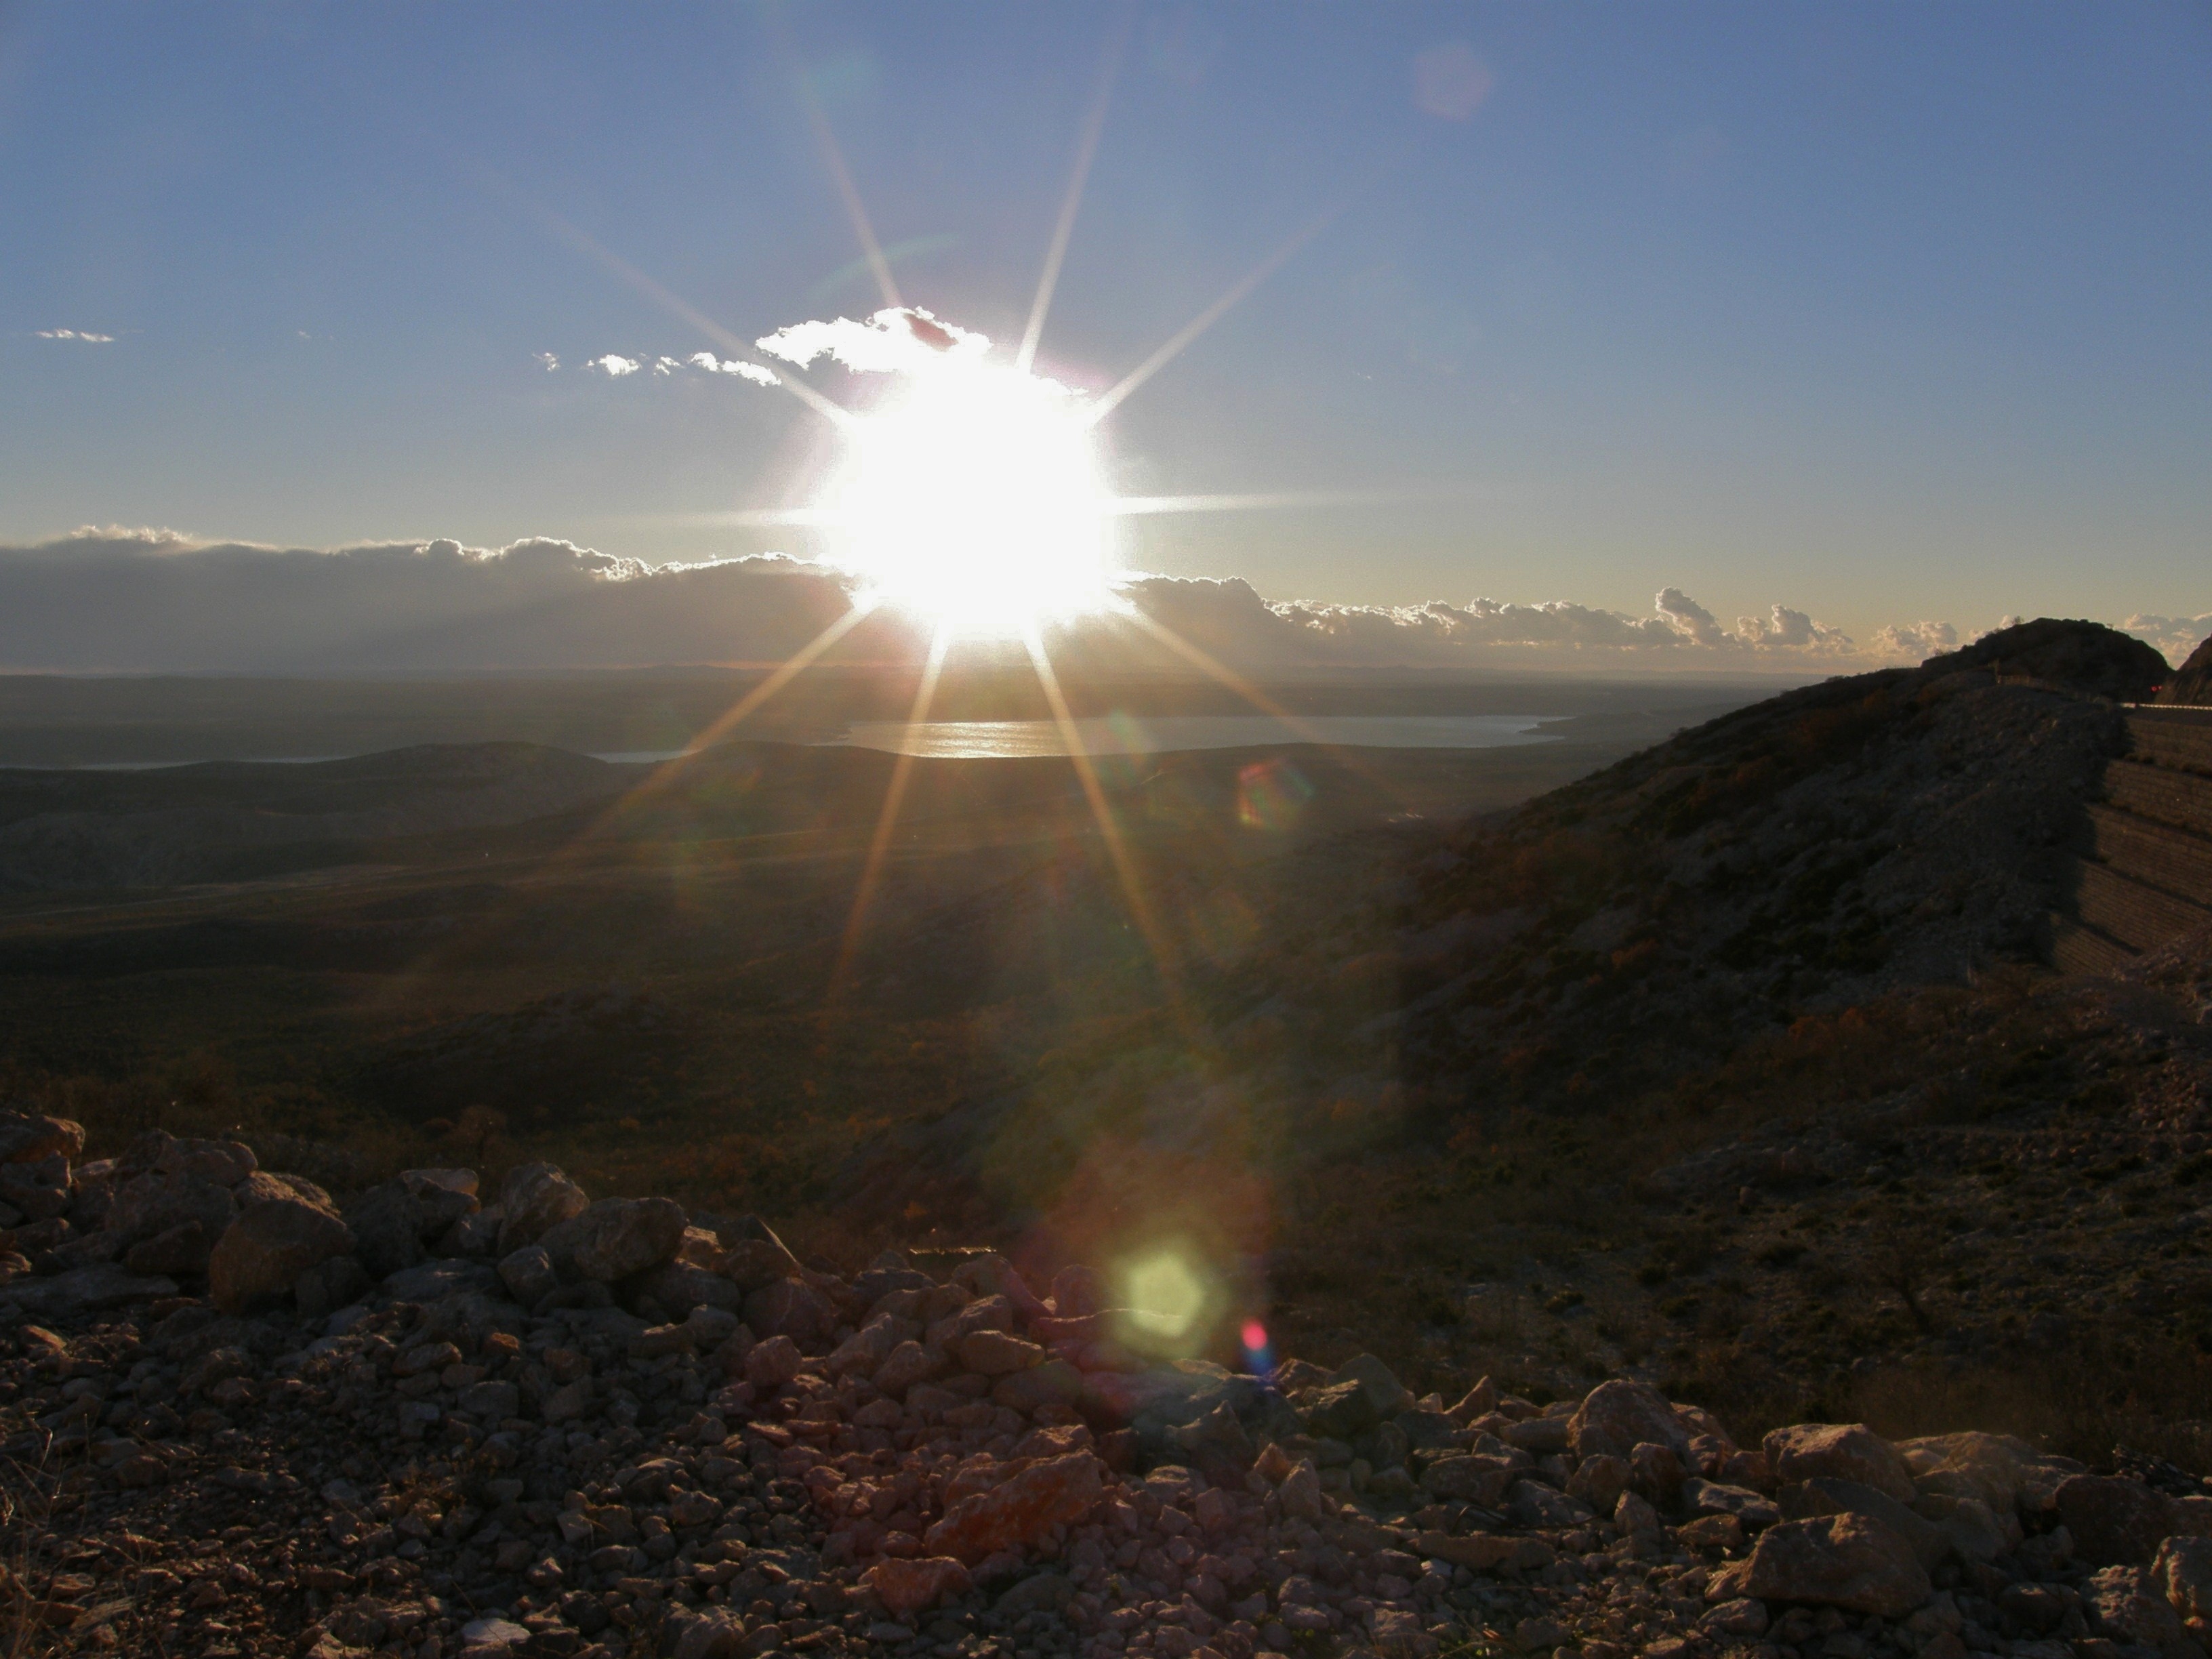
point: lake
(1123, 734)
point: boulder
(1974, 1532)
(908, 1364)
(1541, 1508)
(1634, 1516)
(1077, 1293)
(1701, 1497)
(1478, 1402)
(264, 1252)
(717, 1633)
(83, 1290)
(910, 1587)
(676, 1287)
(226, 1163)
(616, 1237)
(1744, 1619)
(1842, 1451)
(1846, 1561)
(1041, 1592)
(1486, 1552)
(533, 1198)
(25, 1137)
(1346, 1410)
(995, 1353)
(2131, 1603)
(37, 1190)
(2115, 1522)
(772, 1363)
(1054, 1383)
(92, 1194)
(792, 1308)
(153, 1203)
(1019, 1511)
(475, 1234)
(1390, 1395)
(183, 1248)
(1657, 1471)
(2183, 1571)
(1617, 1417)
(864, 1351)
(1828, 1496)
(699, 1247)
(1469, 1478)
(338, 1283)
(528, 1274)
(1540, 1437)
(753, 1263)
(262, 1188)
(462, 1182)
(1990, 1464)
(390, 1225)
(1599, 1481)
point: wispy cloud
(615, 367)
(549, 360)
(85, 336)
(758, 374)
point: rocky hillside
(242, 1417)
(2191, 684)
(1887, 830)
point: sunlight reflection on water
(1122, 734)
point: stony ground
(242, 1419)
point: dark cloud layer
(149, 600)
(139, 600)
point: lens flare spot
(1170, 1299)
(1271, 794)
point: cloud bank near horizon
(123, 600)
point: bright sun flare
(973, 496)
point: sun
(974, 495)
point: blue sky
(1887, 311)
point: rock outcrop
(640, 1430)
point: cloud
(144, 600)
(1688, 617)
(1915, 641)
(78, 334)
(758, 374)
(550, 362)
(615, 367)
(1229, 619)
(893, 342)
(1782, 629)
(132, 600)
(2174, 637)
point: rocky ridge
(242, 1417)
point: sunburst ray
(872, 870)
(1221, 672)
(1114, 397)
(1166, 960)
(677, 307)
(1086, 151)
